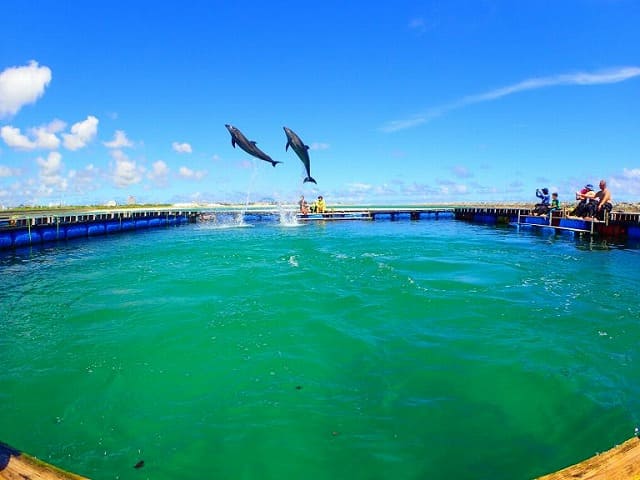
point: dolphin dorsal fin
(254, 142)
(307, 147)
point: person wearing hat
(586, 192)
(585, 196)
(320, 205)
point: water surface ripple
(359, 350)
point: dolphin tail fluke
(309, 179)
(275, 162)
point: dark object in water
(298, 387)
(140, 464)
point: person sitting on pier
(585, 204)
(320, 205)
(543, 207)
(555, 203)
(603, 197)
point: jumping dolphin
(248, 146)
(301, 150)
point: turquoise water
(356, 350)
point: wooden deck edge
(16, 465)
(622, 462)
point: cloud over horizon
(581, 78)
(120, 140)
(181, 147)
(81, 133)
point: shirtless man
(604, 200)
(304, 207)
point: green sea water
(355, 350)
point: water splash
(288, 218)
(223, 220)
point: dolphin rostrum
(301, 150)
(248, 146)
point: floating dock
(28, 228)
(23, 229)
(615, 225)
(379, 214)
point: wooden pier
(17, 465)
(622, 462)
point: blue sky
(399, 102)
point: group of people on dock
(591, 204)
(318, 206)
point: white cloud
(359, 187)
(191, 174)
(14, 138)
(633, 173)
(462, 172)
(580, 78)
(43, 137)
(452, 188)
(159, 172)
(85, 180)
(181, 147)
(81, 133)
(20, 86)
(8, 171)
(51, 171)
(125, 172)
(51, 165)
(120, 140)
(626, 185)
(418, 25)
(319, 146)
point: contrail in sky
(598, 78)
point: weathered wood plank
(16, 465)
(620, 463)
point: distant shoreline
(618, 207)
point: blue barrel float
(96, 228)
(6, 240)
(75, 230)
(50, 233)
(113, 226)
(633, 231)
